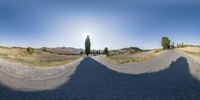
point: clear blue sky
(111, 23)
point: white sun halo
(87, 34)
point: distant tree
(97, 52)
(30, 50)
(177, 45)
(182, 45)
(93, 52)
(87, 45)
(44, 49)
(81, 52)
(172, 46)
(165, 43)
(106, 52)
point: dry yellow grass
(39, 58)
(190, 49)
(133, 58)
(193, 52)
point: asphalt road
(92, 80)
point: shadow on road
(94, 81)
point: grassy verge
(38, 58)
(4, 56)
(130, 60)
(40, 63)
(192, 52)
(124, 59)
(195, 51)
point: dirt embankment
(38, 58)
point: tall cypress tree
(87, 45)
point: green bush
(44, 49)
(30, 50)
(106, 52)
(81, 52)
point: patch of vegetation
(134, 60)
(37, 57)
(132, 49)
(106, 52)
(30, 50)
(41, 63)
(158, 50)
(126, 60)
(134, 52)
(193, 53)
(181, 45)
(5, 56)
(44, 49)
(87, 45)
(172, 45)
(135, 57)
(165, 43)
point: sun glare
(87, 34)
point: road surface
(172, 76)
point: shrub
(106, 52)
(30, 50)
(45, 49)
(81, 52)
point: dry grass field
(192, 51)
(133, 56)
(38, 58)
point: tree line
(165, 42)
(88, 48)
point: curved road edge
(157, 64)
